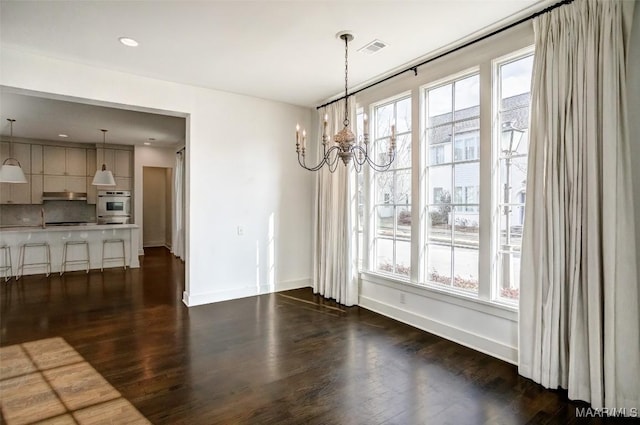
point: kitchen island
(56, 236)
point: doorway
(157, 184)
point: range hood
(64, 196)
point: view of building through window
(451, 219)
(453, 183)
(392, 189)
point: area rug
(48, 382)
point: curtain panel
(177, 243)
(335, 227)
(579, 327)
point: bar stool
(7, 266)
(117, 258)
(23, 253)
(63, 266)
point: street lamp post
(509, 143)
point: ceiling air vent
(373, 47)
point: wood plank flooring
(285, 358)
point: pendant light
(11, 171)
(103, 176)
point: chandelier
(346, 148)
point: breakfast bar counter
(56, 236)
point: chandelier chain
(346, 81)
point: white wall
(241, 170)
(147, 156)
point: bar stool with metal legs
(7, 266)
(65, 261)
(23, 253)
(107, 242)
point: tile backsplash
(54, 211)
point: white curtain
(177, 243)
(579, 322)
(335, 229)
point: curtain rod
(414, 68)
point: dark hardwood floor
(285, 358)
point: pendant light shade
(12, 174)
(103, 176)
(11, 171)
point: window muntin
(513, 97)
(452, 118)
(392, 189)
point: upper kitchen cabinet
(55, 162)
(59, 161)
(76, 162)
(37, 164)
(19, 151)
(16, 193)
(122, 166)
(65, 184)
(106, 157)
(92, 164)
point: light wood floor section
(48, 382)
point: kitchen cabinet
(123, 183)
(16, 193)
(92, 191)
(122, 167)
(65, 183)
(107, 157)
(19, 151)
(59, 161)
(54, 160)
(118, 161)
(76, 162)
(92, 164)
(37, 166)
(37, 188)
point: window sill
(459, 298)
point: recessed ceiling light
(147, 143)
(63, 135)
(128, 41)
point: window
(392, 189)
(514, 81)
(472, 173)
(452, 113)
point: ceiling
(279, 50)
(45, 119)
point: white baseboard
(141, 251)
(191, 300)
(477, 342)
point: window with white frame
(391, 216)
(461, 190)
(512, 106)
(452, 123)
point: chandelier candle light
(346, 147)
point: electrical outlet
(403, 300)
(240, 230)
